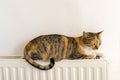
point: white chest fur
(88, 50)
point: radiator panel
(19, 69)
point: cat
(57, 47)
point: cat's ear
(84, 34)
(99, 33)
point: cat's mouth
(95, 48)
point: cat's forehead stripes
(91, 34)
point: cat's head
(92, 40)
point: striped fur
(58, 47)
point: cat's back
(50, 38)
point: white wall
(22, 20)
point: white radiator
(19, 69)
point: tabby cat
(58, 47)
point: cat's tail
(36, 65)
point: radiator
(19, 69)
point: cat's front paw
(99, 55)
(92, 56)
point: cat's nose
(96, 47)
